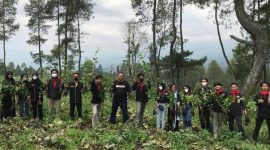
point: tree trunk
(264, 67)
(220, 40)
(178, 76)
(79, 43)
(182, 42)
(154, 48)
(132, 52)
(66, 36)
(4, 35)
(4, 48)
(129, 52)
(267, 27)
(172, 52)
(253, 10)
(260, 37)
(39, 49)
(59, 37)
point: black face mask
(141, 79)
(75, 79)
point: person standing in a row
(204, 108)
(98, 95)
(217, 102)
(262, 100)
(141, 89)
(75, 89)
(36, 94)
(236, 110)
(174, 109)
(8, 100)
(161, 105)
(23, 92)
(187, 106)
(54, 88)
(119, 90)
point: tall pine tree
(37, 24)
(8, 27)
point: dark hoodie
(54, 88)
(141, 90)
(8, 100)
(97, 93)
(263, 108)
(162, 95)
(7, 82)
(36, 90)
(25, 88)
(237, 107)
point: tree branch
(260, 38)
(249, 43)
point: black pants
(78, 105)
(239, 123)
(37, 111)
(172, 119)
(259, 121)
(123, 106)
(8, 108)
(204, 117)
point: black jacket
(54, 93)
(75, 92)
(218, 101)
(237, 107)
(163, 98)
(120, 90)
(205, 91)
(141, 91)
(24, 90)
(36, 91)
(97, 94)
(8, 86)
(263, 108)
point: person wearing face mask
(187, 107)
(120, 90)
(98, 95)
(75, 89)
(236, 109)
(160, 105)
(36, 94)
(204, 108)
(174, 108)
(8, 99)
(217, 102)
(262, 100)
(141, 89)
(23, 92)
(54, 88)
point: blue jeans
(161, 120)
(123, 105)
(24, 108)
(187, 116)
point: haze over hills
(104, 32)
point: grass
(17, 133)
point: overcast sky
(105, 34)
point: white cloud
(105, 33)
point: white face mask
(34, 77)
(54, 75)
(160, 88)
(204, 83)
(186, 90)
(24, 78)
